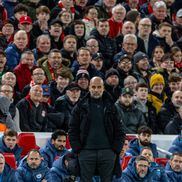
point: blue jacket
(176, 145)
(155, 173)
(58, 172)
(135, 148)
(8, 174)
(49, 153)
(16, 151)
(172, 175)
(13, 55)
(25, 174)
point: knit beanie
(156, 78)
(110, 72)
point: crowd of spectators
(51, 50)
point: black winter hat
(110, 72)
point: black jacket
(79, 124)
(107, 47)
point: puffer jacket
(49, 153)
(176, 145)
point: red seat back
(125, 161)
(161, 161)
(130, 137)
(10, 160)
(27, 142)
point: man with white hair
(116, 21)
(159, 14)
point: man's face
(2, 61)
(143, 64)
(19, 14)
(55, 60)
(112, 80)
(126, 100)
(9, 79)
(131, 83)
(145, 27)
(8, 29)
(62, 82)
(38, 76)
(179, 21)
(124, 149)
(55, 30)
(125, 65)
(148, 154)
(93, 45)
(44, 45)
(67, 3)
(177, 99)
(160, 13)
(103, 28)
(142, 167)
(59, 142)
(119, 15)
(96, 88)
(25, 26)
(34, 160)
(128, 28)
(130, 45)
(21, 40)
(176, 163)
(70, 45)
(36, 93)
(81, 3)
(84, 57)
(73, 95)
(83, 83)
(144, 138)
(174, 86)
(98, 63)
(79, 30)
(29, 60)
(2, 163)
(142, 93)
(43, 17)
(66, 17)
(6, 90)
(165, 31)
(10, 142)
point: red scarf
(150, 10)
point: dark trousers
(102, 161)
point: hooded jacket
(172, 175)
(176, 145)
(25, 174)
(49, 153)
(16, 150)
(8, 174)
(135, 148)
(5, 117)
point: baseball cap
(179, 13)
(97, 56)
(139, 56)
(73, 86)
(25, 19)
(82, 74)
(127, 90)
(46, 90)
(122, 57)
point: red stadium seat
(10, 160)
(130, 137)
(68, 146)
(27, 142)
(161, 161)
(125, 161)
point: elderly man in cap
(83, 79)
(141, 67)
(112, 83)
(130, 115)
(65, 103)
